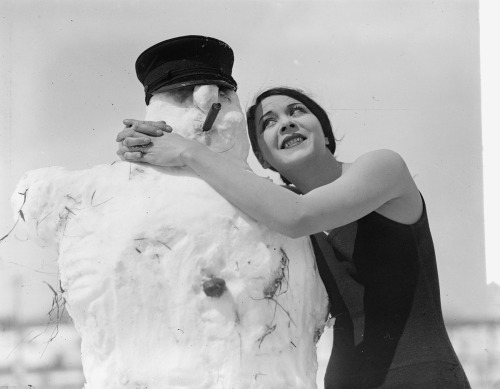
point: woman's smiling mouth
(292, 141)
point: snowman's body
(169, 285)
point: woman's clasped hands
(153, 143)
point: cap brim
(184, 84)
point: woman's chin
(293, 157)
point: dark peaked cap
(183, 61)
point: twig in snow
(12, 229)
(96, 205)
(20, 213)
(268, 331)
(69, 210)
(38, 222)
(164, 244)
(58, 301)
(71, 198)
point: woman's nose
(288, 126)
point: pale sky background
(403, 75)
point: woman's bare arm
(376, 180)
(372, 181)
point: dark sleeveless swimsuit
(389, 330)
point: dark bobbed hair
(298, 95)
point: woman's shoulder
(381, 158)
(388, 169)
(379, 164)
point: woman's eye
(297, 109)
(267, 123)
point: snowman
(167, 283)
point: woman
(378, 265)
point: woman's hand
(153, 143)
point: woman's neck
(323, 171)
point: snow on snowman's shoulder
(46, 198)
(56, 182)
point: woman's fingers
(139, 128)
(162, 151)
(147, 127)
(132, 156)
(127, 155)
(125, 133)
(131, 142)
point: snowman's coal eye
(183, 95)
(224, 95)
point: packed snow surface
(168, 284)
(186, 110)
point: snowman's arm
(373, 180)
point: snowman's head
(185, 110)
(182, 78)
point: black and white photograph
(248, 194)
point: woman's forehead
(272, 102)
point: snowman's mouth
(211, 116)
(292, 141)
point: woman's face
(288, 134)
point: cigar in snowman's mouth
(212, 114)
